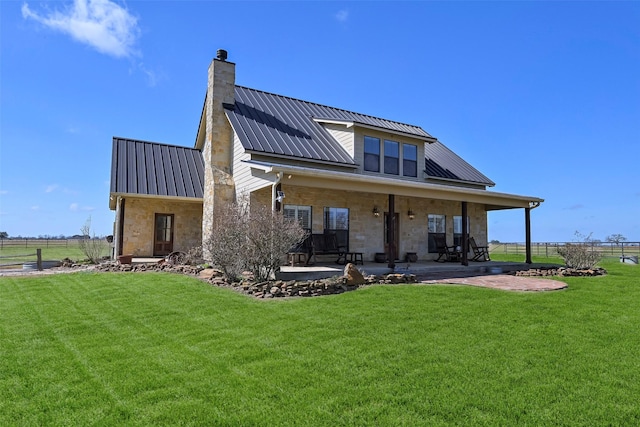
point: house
(336, 171)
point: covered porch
(391, 215)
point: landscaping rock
(353, 275)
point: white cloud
(342, 15)
(51, 188)
(35, 208)
(3, 192)
(153, 77)
(75, 207)
(102, 24)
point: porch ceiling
(317, 178)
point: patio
(422, 269)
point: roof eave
(459, 181)
(113, 197)
(303, 159)
(492, 200)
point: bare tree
(254, 239)
(270, 236)
(616, 238)
(227, 246)
(93, 247)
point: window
(394, 160)
(391, 157)
(300, 213)
(436, 227)
(336, 221)
(371, 154)
(409, 160)
(457, 230)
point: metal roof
(151, 168)
(276, 124)
(441, 162)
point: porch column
(527, 232)
(465, 235)
(391, 238)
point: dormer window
(391, 157)
(371, 154)
(409, 160)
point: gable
(154, 169)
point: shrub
(254, 239)
(270, 236)
(228, 242)
(581, 255)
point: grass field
(154, 349)
(16, 253)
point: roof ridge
(154, 142)
(328, 106)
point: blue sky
(542, 97)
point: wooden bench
(354, 257)
(327, 244)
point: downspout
(274, 186)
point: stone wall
(366, 232)
(139, 224)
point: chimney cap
(221, 54)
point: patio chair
(448, 252)
(480, 253)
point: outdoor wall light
(376, 212)
(411, 214)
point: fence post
(39, 255)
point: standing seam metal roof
(276, 124)
(150, 168)
(441, 162)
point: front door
(396, 233)
(163, 240)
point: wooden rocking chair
(448, 252)
(480, 253)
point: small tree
(270, 236)
(254, 239)
(582, 254)
(93, 247)
(227, 246)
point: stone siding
(139, 224)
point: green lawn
(154, 349)
(51, 252)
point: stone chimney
(217, 151)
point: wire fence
(37, 243)
(547, 249)
(19, 259)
